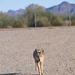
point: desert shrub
(4, 23)
(57, 21)
(39, 24)
(5, 20)
(31, 21)
(73, 22)
(43, 22)
(18, 24)
(67, 23)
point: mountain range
(62, 8)
(12, 12)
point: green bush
(18, 24)
(42, 22)
(57, 21)
(73, 22)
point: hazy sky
(5, 5)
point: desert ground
(17, 46)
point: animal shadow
(18, 74)
(10, 74)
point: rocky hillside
(63, 8)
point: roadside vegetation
(34, 15)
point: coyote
(39, 60)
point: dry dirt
(17, 46)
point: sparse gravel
(17, 46)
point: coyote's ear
(42, 51)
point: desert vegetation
(34, 15)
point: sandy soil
(17, 46)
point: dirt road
(17, 46)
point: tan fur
(39, 60)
